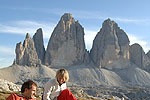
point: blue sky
(19, 17)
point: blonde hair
(63, 73)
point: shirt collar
(58, 83)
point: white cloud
(129, 20)
(25, 26)
(27, 23)
(83, 14)
(89, 37)
(14, 30)
(96, 15)
(7, 51)
(78, 13)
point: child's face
(61, 80)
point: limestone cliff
(39, 44)
(66, 45)
(138, 56)
(26, 53)
(110, 44)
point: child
(56, 89)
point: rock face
(148, 54)
(66, 45)
(26, 54)
(138, 56)
(110, 44)
(39, 44)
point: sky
(18, 17)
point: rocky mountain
(110, 45)
(66, 45)
(39, 44)
(111, 61)
(26, 53)
(138, 56)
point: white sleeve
(47, 91)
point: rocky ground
(85, 76)
(96, 93)
(114, 93)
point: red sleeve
(11, 97)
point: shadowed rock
(148, 54)
(138, 56)
(39, 44)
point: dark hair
(28, 84)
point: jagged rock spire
(148, 54)
(66, 45)
(67, 17)
(27, 36)
(110, 44)
(26, 53)
(39, 44)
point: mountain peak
(109, 22)
(66, 17)
(70, 37)
(39, 30)
(27, 36)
